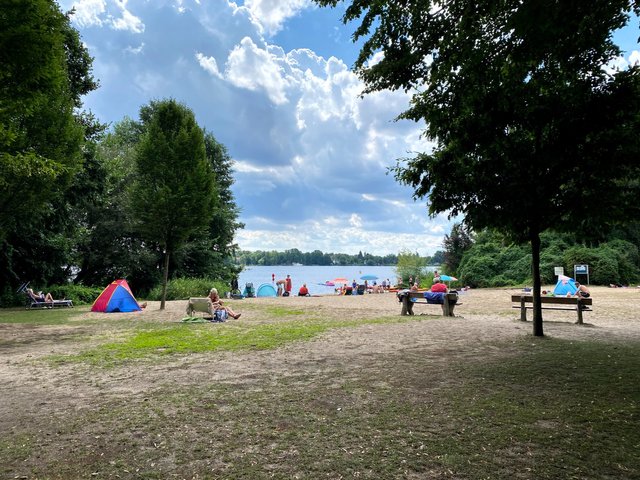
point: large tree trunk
(535, 269)
(165, 279)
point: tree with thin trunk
(173, 194)
(533, 129)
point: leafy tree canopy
(45, 71)
(526, 119)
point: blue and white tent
(565, 285)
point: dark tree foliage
(45, 70)
(455, 245)
(174, 191)
(531, 131)
(212, 255)
(110, 247)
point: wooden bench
(525, 301)
(408, 298)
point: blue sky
(271, 80)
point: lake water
(313, 276)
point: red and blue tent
(117, 297)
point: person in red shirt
(287, 284)
(304, 291)
(439, 287)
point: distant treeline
(293, 256)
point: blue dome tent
(266, 290)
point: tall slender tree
(532, 130)
(174, 191)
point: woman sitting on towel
(217, 304)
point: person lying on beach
(40, 297)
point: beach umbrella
(340, 280)
(448, 278)
(368, 277)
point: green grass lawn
(531, 409)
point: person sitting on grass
(216, 303)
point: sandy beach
(483, 316)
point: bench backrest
(528, 298)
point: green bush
(411, 265)
(79, 294)
(183, 288)
(477, 271)
(605, 269)
(502, 281)
(628, 258)
(518, 268)
(549, 259)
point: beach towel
(434, 297)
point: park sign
(557, 271)
(581, 270)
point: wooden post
(403, 300)
(409, 304)
(445, 305)
(523, 309)
(579, 307)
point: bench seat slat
(576, 304)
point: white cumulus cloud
(254, 68)
(88, 12)
(209, 64)
(271, 14)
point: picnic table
(524, 301)
(408, 298)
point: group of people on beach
(284, 286)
